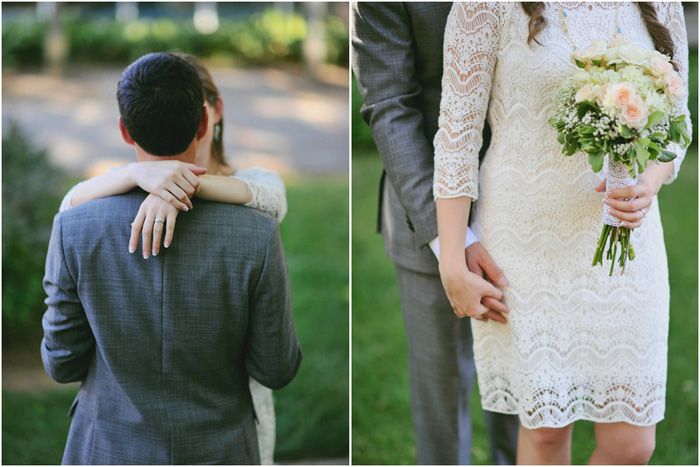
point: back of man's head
(160, 101)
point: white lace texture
(579, 344)
(617, 176)
(269, 194)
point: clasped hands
(171, 184)
(470, 285)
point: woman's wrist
(655, 175)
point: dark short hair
(160, 102)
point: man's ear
(203, 123)
(125, 133)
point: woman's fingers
(146, 233)
(602, 187)
(192, 179)
(158, 226)
(181, 195)
(173, 201)
(136, 230)
(630, 205)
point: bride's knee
(548, 438)
(634, 448)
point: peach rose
(674, 84)
(585, 94)
(660, 66)
(635, 114)
(620, 94)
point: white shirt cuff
(435, 243)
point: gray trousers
(441, 377)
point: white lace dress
(578, 344)
(269, 196)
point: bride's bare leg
(545, 445)
(622, 443)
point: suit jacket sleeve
(384, 67)
(273, 354)
(68, 344)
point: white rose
(656, 101)
(586, 93)
(632, 54)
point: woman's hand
(631, 204)
(174, 181)
(466, 290)
(154, 216)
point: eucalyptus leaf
(654, 118)
(625, 131)
(586, 106)
(667, 156)
(642, 154)
(596, 160)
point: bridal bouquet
(624, 102)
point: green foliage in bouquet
(596, 134)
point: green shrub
(261, 38)
(32, 189)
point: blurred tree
(55, 43)
(32, 188)
(314, 48)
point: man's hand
(480, 263)
(467, 292)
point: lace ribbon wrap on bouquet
(617, 177)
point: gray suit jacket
(397, 62)
(164, 346)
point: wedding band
(644, 213)
(159, 220)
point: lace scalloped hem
(553, 417)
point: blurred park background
(282, 70)
(381, 414)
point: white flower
(632, 54)
(585, 93)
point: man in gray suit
(397, 61)
(164, 347)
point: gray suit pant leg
(441, 369)
(441, 377)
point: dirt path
(278, 119)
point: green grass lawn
(312, 412)
(382, 432)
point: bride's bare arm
(464, 289)
(224, 189)
(173, 181)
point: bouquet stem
(613, 234)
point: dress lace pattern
(578, 344)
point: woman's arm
(471, 42)
(224, 189)
(257, 188)
(173, 181)
(631, 204)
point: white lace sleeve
(471, 42)
(67, 202)
(269, 194)
(670, 14)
